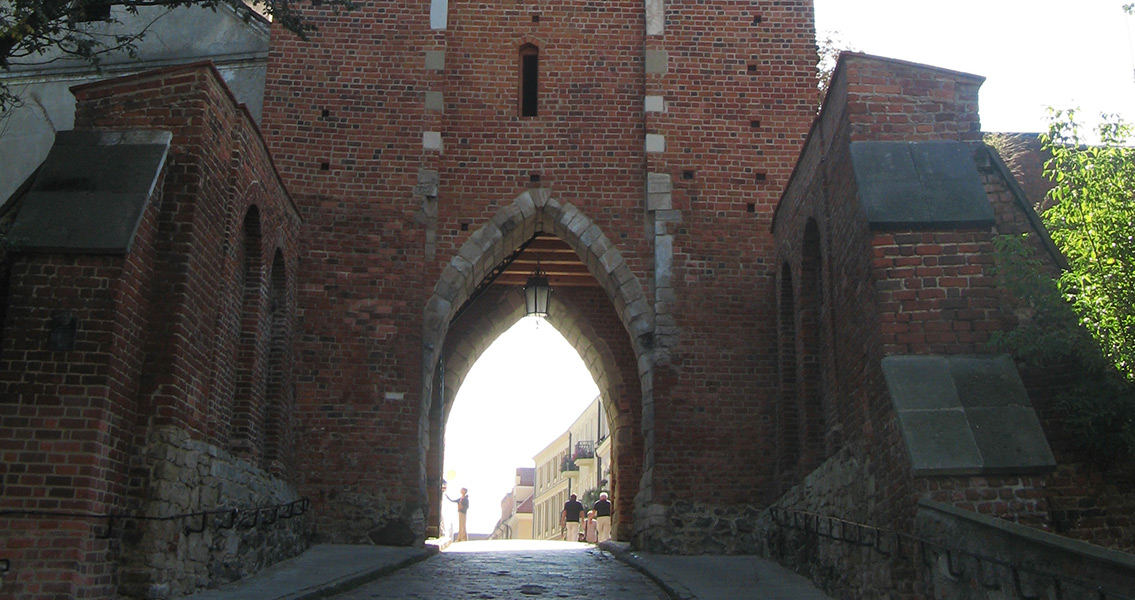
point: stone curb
(672, 587)
(327, 589)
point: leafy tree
(32, 30)
(1084, 317)
(1092, 221)
(828, 48)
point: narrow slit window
(529, 80)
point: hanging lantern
(536, 294)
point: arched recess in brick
(247, 423)
(811, 383)
(532, 212)
(787, 413)
(278, 399)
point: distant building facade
(576, 462)
(551, 489)
(516, 508)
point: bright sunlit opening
(522, 393)
(518, 546)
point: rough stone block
(435, 60)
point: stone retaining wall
(845, 486)
(974, 557)
(167, 559)
(691, 527)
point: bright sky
(1033, 53)
(530, 385)
(526, 390)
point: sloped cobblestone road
(513, 569)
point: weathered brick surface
(731, 136)
(924, 291)
(159, 345)
(742, 309)
(65, 422)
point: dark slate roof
(965, 415)
(920, 184)
(527, 475)
(90, 192)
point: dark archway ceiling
(561, 264)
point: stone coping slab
(1052, 541)
(965, 415)
(920, 184)
(89, 194)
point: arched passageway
(600, 309)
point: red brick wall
(912, 292)
(897, 100)
(217, 170)
(376, 252)
(740, 93)
(936, 291)
(65, 421)
(152, 349)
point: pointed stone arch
(532, 212)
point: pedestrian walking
(590, 528)
(602, 508)
(573, 510)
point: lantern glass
(536, 296)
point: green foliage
(1100, 415)
(1083, 319)
(1050, 331)
(590, 497)
(1092, 221)
(1096, 401)
(828, 48)
(33, 31)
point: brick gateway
(281, 319)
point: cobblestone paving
(513, 569)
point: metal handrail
(809, 523)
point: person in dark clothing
(602, 508)
(573, 509)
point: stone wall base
(170, 558)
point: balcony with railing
(583, 454)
